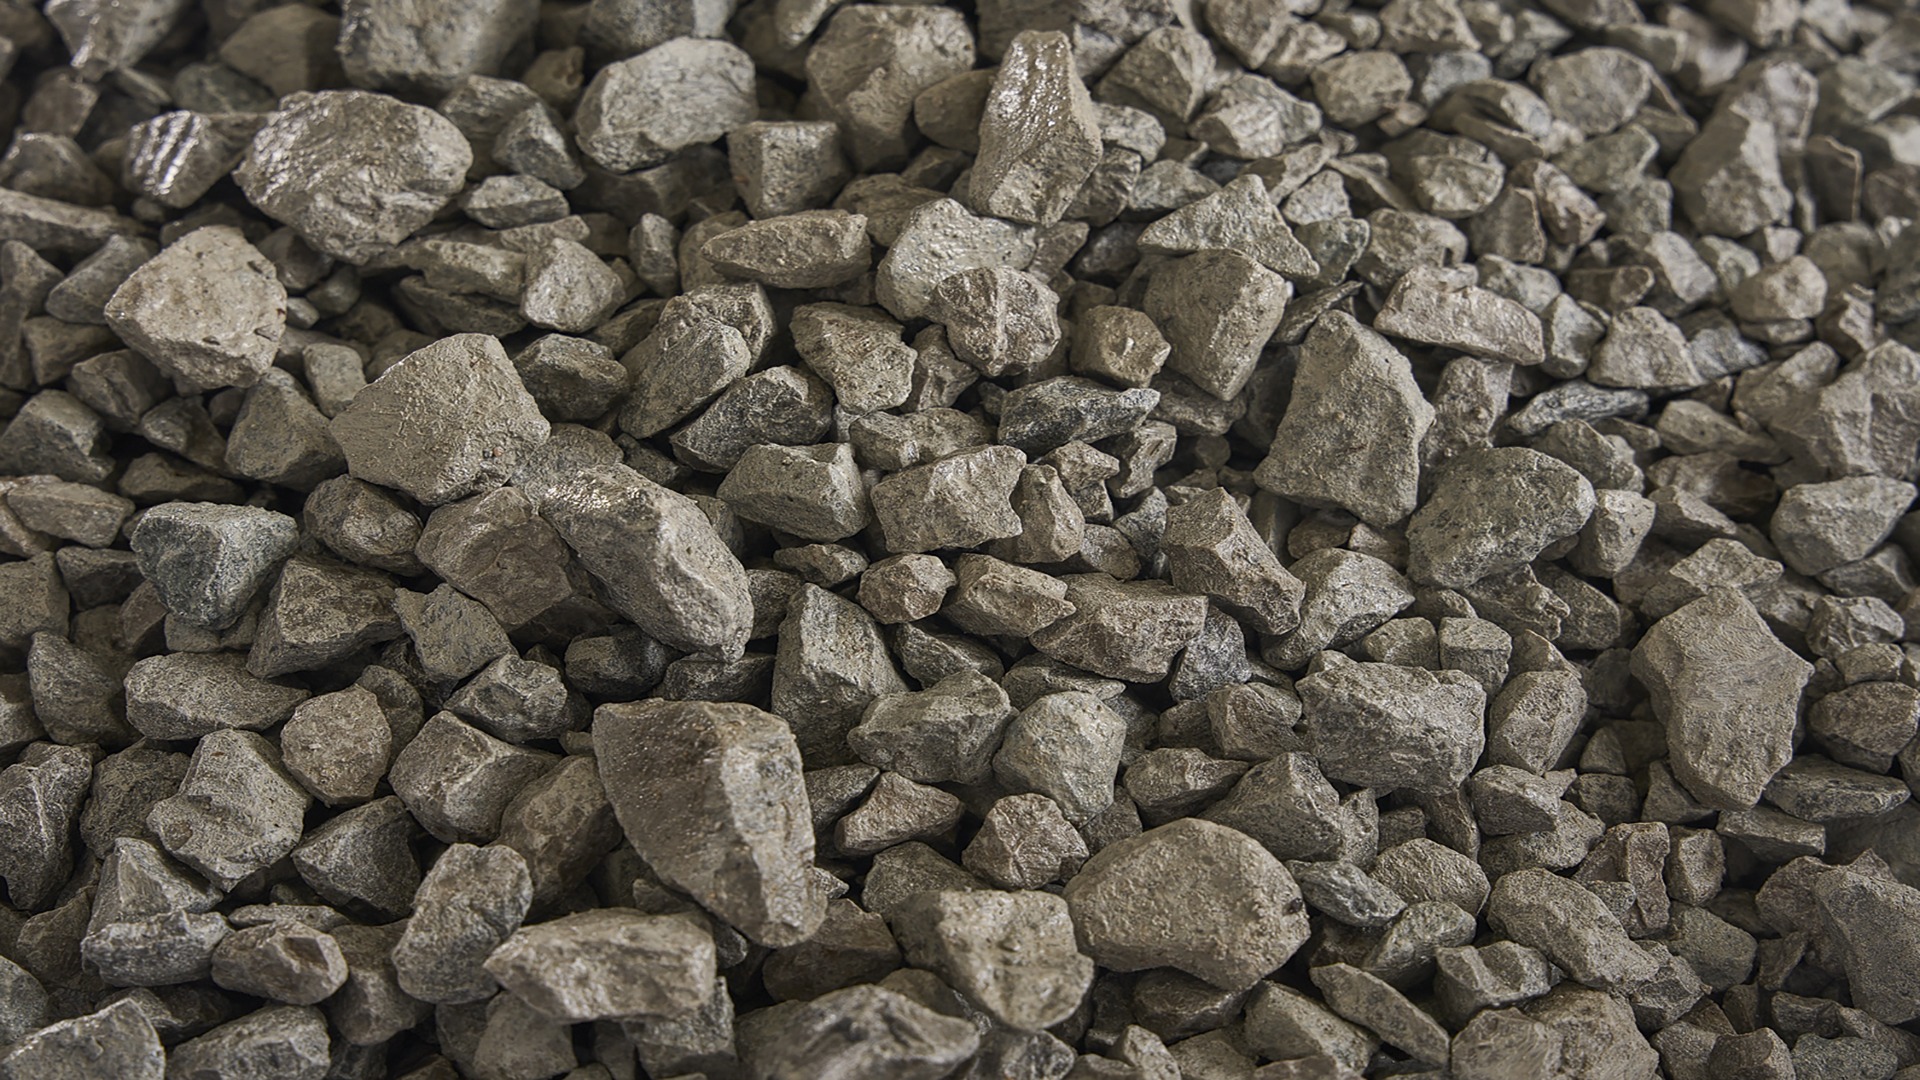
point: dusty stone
(208, 309)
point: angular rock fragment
(809, 250)
(207, 310)
(1012, 954)
(1217, 308)
(710, 795)
(38, 804)
(237, 811)
(959, 501)
(411, 47)
(658, 557)
(858, 1031)
(446, 421)
(1728, 692)
(1425, 307)
(1039, 135)
(187, 695)
(208, 560)
(354, 173)
(1385, 726)
(947, 732)
(1454, 541)
(1352, 432)
(1571, 926)
(1148, 901)
(470, 902)
(281, 961)
(612, 963)
(116, 1041)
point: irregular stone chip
(1217, 309)
(1066, 746)
(354, 173)
(1729, 694)
(861, 1031)
(1492, 511)
(446, 421)
(207, 560)
(281, 961)
(960, 501)
(39, 802)
(1427, 306)
(1011, 953)
(1820, 526)
(608, 964)
(710, 795)
(1212, 548)
(813, 492)
(812, 249)
(657, 555)
(1385, 726)
(118, 1041)
(1039, 134)
(237, 811)
(872, 62)
(470, 902)
(678, 94)
(1366, 1000)
(1123, 629)
(279, 1040)
(1874, 922)
(457, 780)
(1571, 925)
(413, 47)
(208, 309)
(1352, 432)
(947, 732)
(1153, 900)
(187, 695)
(831, 662)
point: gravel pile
(1025, 540)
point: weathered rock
(207, 310)
(710, 794)
(607, 964)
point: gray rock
(354, 173)
(1011, 953)
(1217, 308)
(658, 557)
(997, 319)
(813, 492)
(207, 310)
(1353, 394)
(117, 1041)
(279, 1040)
(1025, 842)
(1820, 526)
(947, 732)
(1039, 134)
(208, 560)
(1148, 901)
(568, 288)
(812, 249)
(1373, 1004)
(1428, 307)
(1872, 923)
(187, 695)
(861, 1031)
(607, 964)
(362, 856)
(1459, 537)
(1728, 177)
(1384, 726)
(281, 961)
(237, 811)
(1066, 746)
(446, 421)
(39, 801)
(711, 796)
(1571, 925)
(470, 902)
(959, 501)
(457, 780)
(338, 746)
(638, 111)
(496, 548)
(872, 62)
(1728, 693)
(1122, 629)
(939, 239)
(422, 48)
(831, 663)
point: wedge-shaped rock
(354, 173)
(710, 795)
(1351, 435)
(1386, 726)
(1010, 953)
(117, 1041)
(1572, 926)
(862, 1031)
(960, 501)
(1217, 309)
(1123, 629)
(207, 560)
(208, 309)
(809, 250)
(1039, 134)
(237, 811)
(1154, 900)
(658, 557)
(1729, 694)
(1239, 217)
(685, 92)
(470, 902)
(830, 664)
(1492, 511)
(447, 421)
(607, 964)
(1427, 306)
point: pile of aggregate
(1020, 540)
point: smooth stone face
(1154, 900)
(445, 422)
(354, 173)
(711, 796)
(1728, 692)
